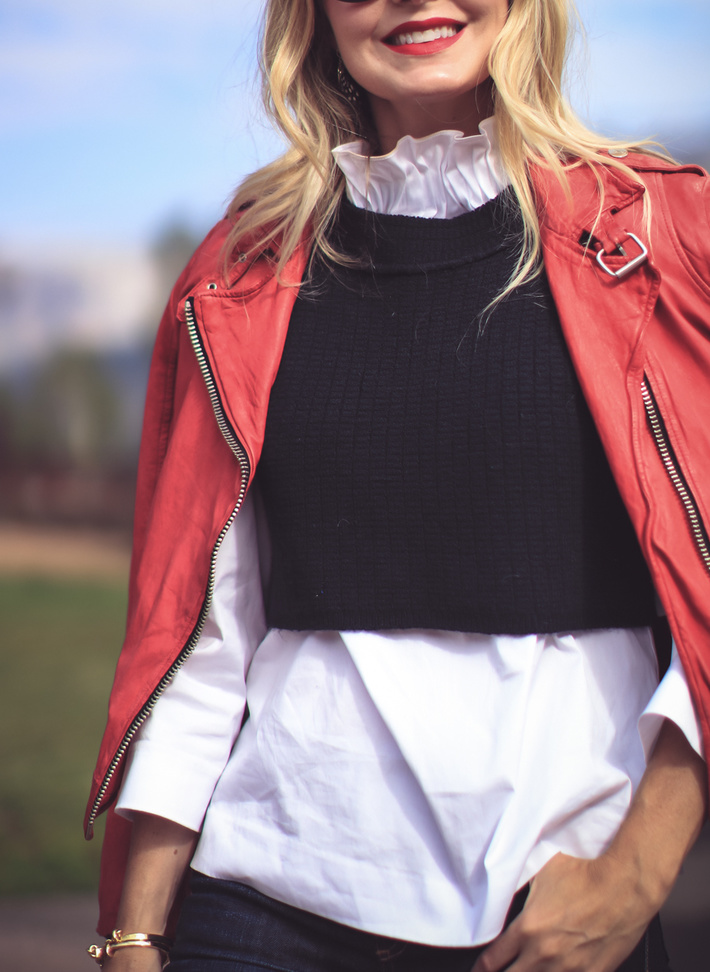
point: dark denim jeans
(229, 927)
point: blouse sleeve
(671, 700)
(182, 748)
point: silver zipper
(665, 450)
(239, 451)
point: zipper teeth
(674, 474)
(224, 426)
(238, 450)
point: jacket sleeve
(181, 750)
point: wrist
(639, 874)
(120, 940)
(664, 819)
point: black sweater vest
(422, 469)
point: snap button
(211, 286)
(618, 153)
(242, 257)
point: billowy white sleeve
(180, 751)
(671, 700)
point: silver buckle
(631, 265)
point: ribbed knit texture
(422, 471)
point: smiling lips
(424, 36)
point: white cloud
(46, 84)
(94, 297)
(137, 10)
(69, 59)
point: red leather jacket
(639, 335)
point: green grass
(58, 644)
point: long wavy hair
(295, 198)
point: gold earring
(349, 88)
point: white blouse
(403, 782)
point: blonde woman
(425, 456)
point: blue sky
(116, 118)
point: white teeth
(423, 36)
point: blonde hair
(295, 198)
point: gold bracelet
(119, 939)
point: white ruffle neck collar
(437, 177)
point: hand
(587, 915)
(580, 916)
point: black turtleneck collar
(410, 244)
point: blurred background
(124, 128)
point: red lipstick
(425, 47)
